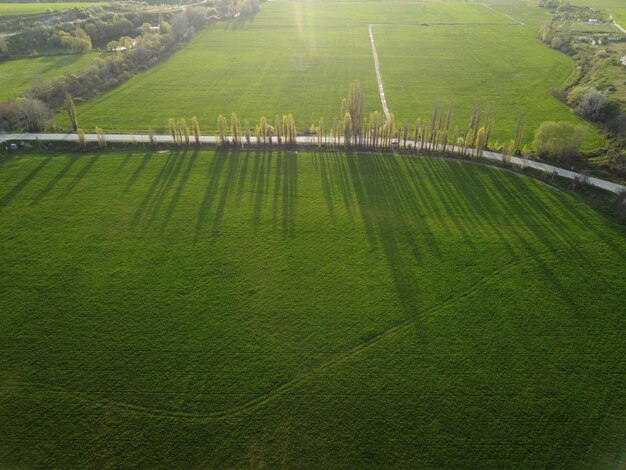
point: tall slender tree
(234, 126)
(196, 129)
(183, 131)
(71, 111)
(172, 126)
(222, 138)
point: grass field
(228, 310)
(17, 9)
(313, 51)
(17, 75)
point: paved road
(300, 140)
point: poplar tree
(221, 130)
(519, 135)
(183, 130)
(71, 111)
(196, 129)
(354, 105)
(172, 125)
(277, 127)
(82, 141)
(102, 141)
(246, 131)
(234, 126)
(320, 132)
(263, 127)
(481, 141)
(347, 130)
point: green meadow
(225, 309)
(16, 76)
(18, 9)
(300, 58)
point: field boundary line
(335, 360)
(379, 78)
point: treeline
(354, 128)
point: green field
(18, 75)
(206, 309)
(311, 52)
(17, 9)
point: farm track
(379, 78)
(333, 361)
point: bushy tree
(593, 105)
(559, 140)
(34, 113)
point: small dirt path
(379, 78)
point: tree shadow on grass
(179, 189)
(289, 171)
(259, 184)
(210, 193)
(159, 186)
(123, 163)
(383, 202)
(81, 174)
(8, 197)
(165, 185)
(54, 181)
(142, 165)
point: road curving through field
(146, 139)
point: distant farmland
(18, 75)
(300, 57)
(312, 310)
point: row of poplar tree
(353, 129)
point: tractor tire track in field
(521, 23)
(333, 361)
(379, 78)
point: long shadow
(123, 163)
(260, 184)
(179, 189)
(290, 193)
(215, 171)
(81, 174)
(382, 205)
(166, 169)
(243, 176)
(466, 180)
(321, 164)
(167, 182)
(8, 197)
(278, 175)
(54, 181)
(579, 216)
(340, 179)
(142, 165)
(228, 183)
